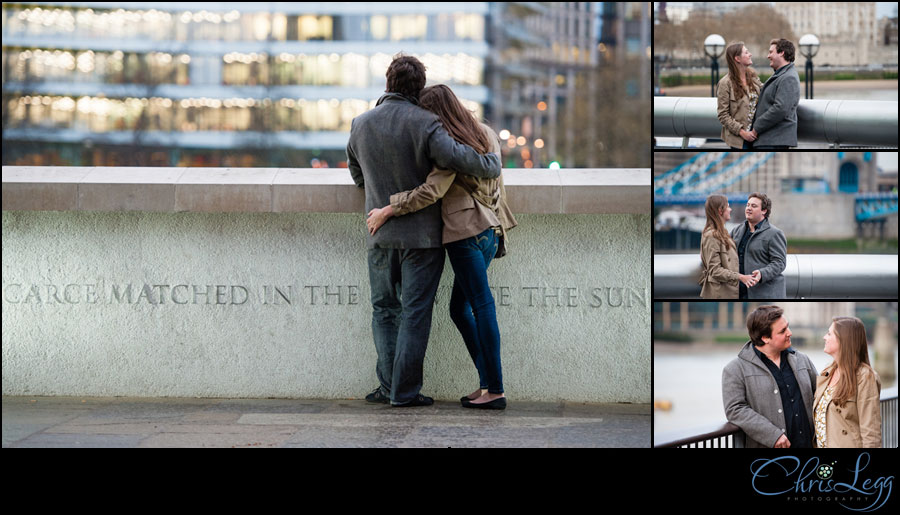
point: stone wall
(276, 304)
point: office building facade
(199, 84)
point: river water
(874, 94)
(691, 379)
(822, 90)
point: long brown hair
(459, 121)
(715, 204)
(734, 50)
(853, 352)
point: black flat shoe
(420, 400)
(467, 399)
(499, 403)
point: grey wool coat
(393, 148)
(776, 111)
(751, 397)
(767, 252)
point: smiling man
(762, 250)
(768, 389)
(775, 121)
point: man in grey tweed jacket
(768, 389)
(393, 148)
(762, 251)
(775, 121)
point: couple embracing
(417, 146)
(749, 262)
(754, 115)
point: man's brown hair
(406, 75)
(784, 46)
(759, 323)
(765, 203)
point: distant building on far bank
(848, 31)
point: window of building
(379, 27)
(409, 27)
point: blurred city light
(280, 85)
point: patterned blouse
(754, 98)
(821, 409)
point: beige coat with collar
(858, 423)
(733, 112)
(719, 276)
(469, 206)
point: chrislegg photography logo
(848, 481)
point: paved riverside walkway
(261, 423)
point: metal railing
(730, 436)
(806, 276)
(838, 122)
(889, 417)
(726, 436)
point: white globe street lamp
(809, 47)
(714, 46)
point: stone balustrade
(295, 190)
(185, 282)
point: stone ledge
(292, 190)
(163, 304)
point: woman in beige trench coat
(847, 403)
(737, 94)
(718, 253)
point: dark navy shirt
(798, 429)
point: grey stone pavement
(262, 423)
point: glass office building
(278, 84)
(561, 74)
(200, 84)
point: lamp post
(809, 46)
(714, 46)
(658, 61)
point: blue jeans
(403, 283)
(472, 306)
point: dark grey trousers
(404, 283)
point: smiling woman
(847, 396)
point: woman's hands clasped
(750, 280)
(377, 217)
